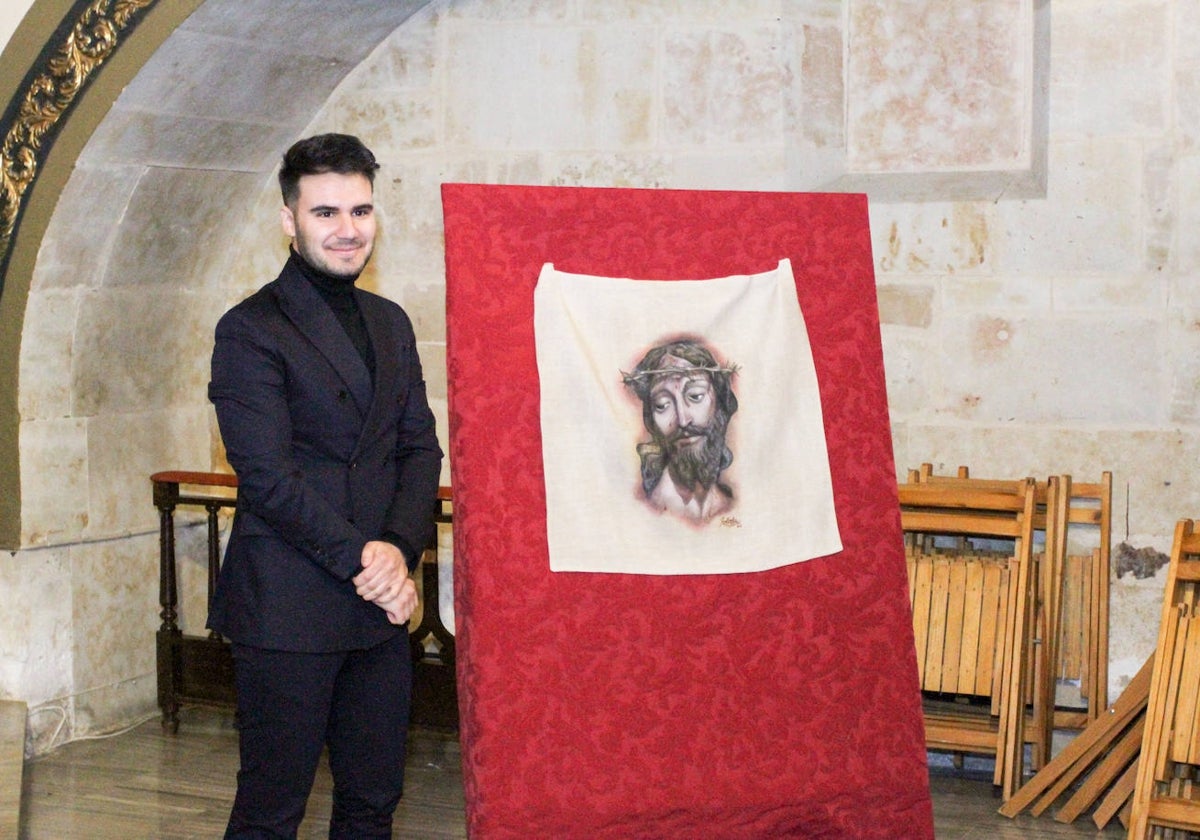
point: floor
(144, 784)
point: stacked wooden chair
(1067, 627)
(1096, 771)
(1074, 521)
(1083, 633)
(1049, 518)
(973, 607)
(1166, 800)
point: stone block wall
(1033, 175)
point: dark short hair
(340, 153)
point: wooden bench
(197, 668)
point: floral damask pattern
(774, 704)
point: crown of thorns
(640, 376)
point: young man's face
(333, 222)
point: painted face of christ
(687, 402)
(688, 425)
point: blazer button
(343, 396)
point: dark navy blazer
(325, 461)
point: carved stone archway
(97, 51)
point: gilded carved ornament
(66, 69)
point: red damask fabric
(775, 704)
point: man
(687, 402)
(322, 408)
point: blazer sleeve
(410, 517)
(249, 389)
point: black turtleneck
(338, 292)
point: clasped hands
(385, 582)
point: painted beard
(698, 465)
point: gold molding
(54, 86)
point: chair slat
(973, 616)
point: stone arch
(195, 103)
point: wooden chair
(1053, 505)
(1083, 635)
(1166, 796)
(1074, 578)
(1098, 767)
(972, 612)
(1049, 519)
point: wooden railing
(198, 669)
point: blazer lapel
(386, 362)
(305, 307)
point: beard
(316, 257)
(698, 465)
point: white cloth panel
(589, 331)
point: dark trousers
(292, 705)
